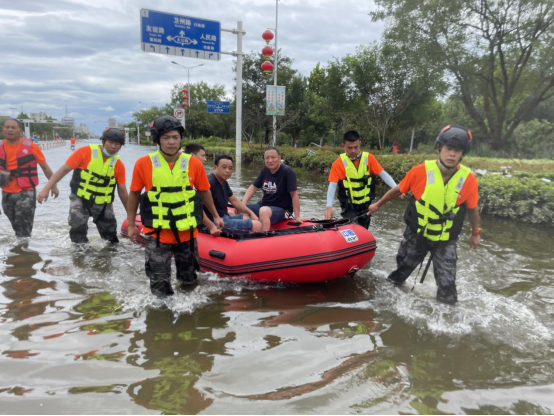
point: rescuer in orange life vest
(171, 180)
(443, 190)
(19, 158)
(97, 172)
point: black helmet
(113, 134)
(456, 137)
(164, 124)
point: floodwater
(80, 332)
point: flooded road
(80, 332)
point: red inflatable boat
(307, 253)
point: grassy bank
(510, 188)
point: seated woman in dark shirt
(222, 194)
(278, 183)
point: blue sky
(87, 54)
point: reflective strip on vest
(358, 180)
(26, 173)
(437, 207)
(171, 197)
(97, 180)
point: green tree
(392, 92)
(534, 139)
(22, 115)
(254, 91)
(499, 54)
(144, 118)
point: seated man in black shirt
(221, 194)
(278, 183)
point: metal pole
(138, 134)
(190, 92)
(238, 131)
(275, 76)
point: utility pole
(275, 74)
(238, 130)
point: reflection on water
(81, 333)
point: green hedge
(523, 196)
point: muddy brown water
(80, 332)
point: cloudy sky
(86, 54)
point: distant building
(82, 129)
(41, 116)
(68, 121)
(112, 123)
(121, 126)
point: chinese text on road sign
(219, 107)
(173, 34)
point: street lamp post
(138, 127)
(276, 58)
(188, 68)
(267, 67)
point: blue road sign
(219, 107)
(173, 34)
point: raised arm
(53, 179)
(393, 193)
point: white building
(112, 123)
(41, 116)
(68, 121)
(82, 129)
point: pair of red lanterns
(267, 66)
(185, 98)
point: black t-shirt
(220, 194)
(277, 187)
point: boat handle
(217, 254)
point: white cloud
(108, 108)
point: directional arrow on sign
(182, 39)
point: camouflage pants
(102, 215)
(356, 215)
(158, 264)
(444, 257)
(20, 210)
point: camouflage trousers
(102, 215)
(20, 209)
(444, 256)
(356, 215)
(158, 264)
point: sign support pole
(275, 76)
(238, 131)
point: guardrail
(51, 144)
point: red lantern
(267, 52)
(267, 67)
(185, 104)
(267, 36)
(185, 90)
(185, 97)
